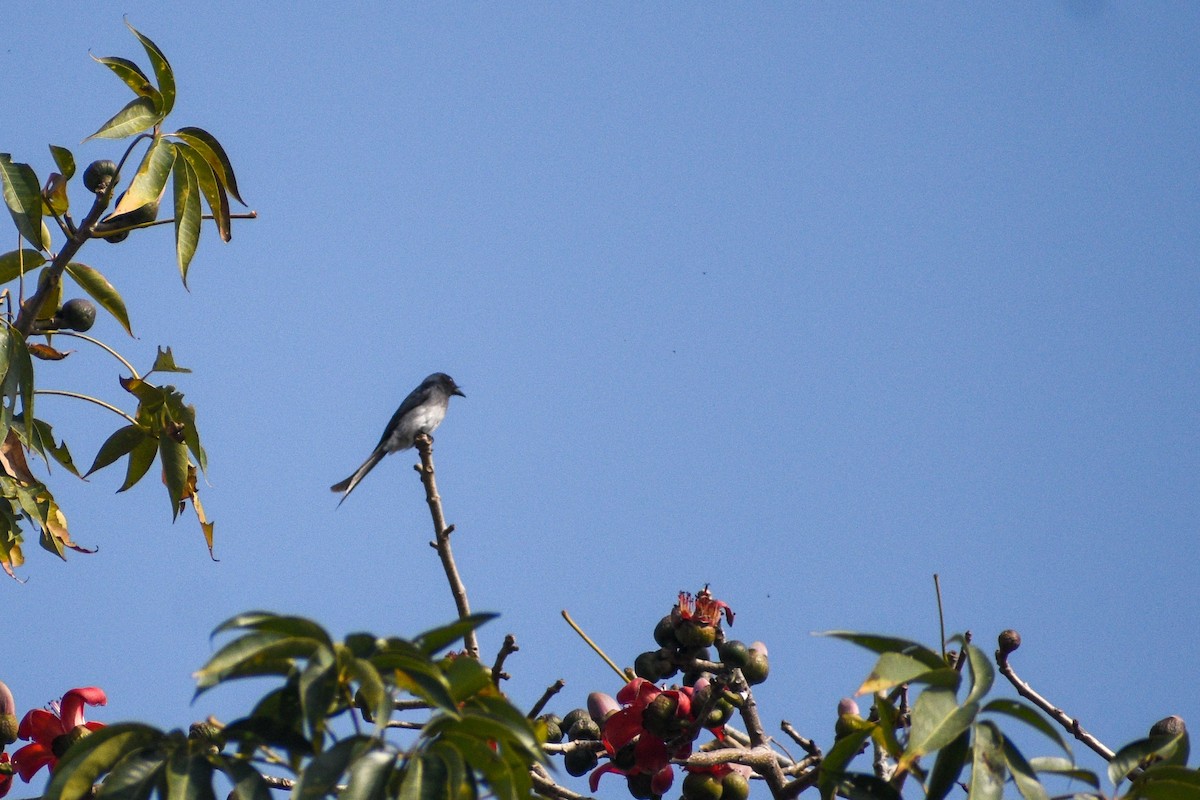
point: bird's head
(445, 383)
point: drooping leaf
(1167, 782)
(834, 765)
(119, 444)
(54, 195)
(325, 771)
(937, 720)
(894, 669)
(420, 678)
(987, 763)
(189, 777)
(41, 438)
(318, 688)
(162, 71)
(100, 290)
(248, 783)
(135, 776)
(23, 196)
(132, 76)
(434, 641)
(1065, 768)
(369, 775)
(94, 755)
(64, 160)
(242, 657)
(890, 644)
(12, 458)
(138, 115)
(1165, 749)
(864, 786)
(268, 622)
(210, 187)
(884, 733)
(150, 181)
(207, 145)
(982, 674)
(140, 458)
(16, 376)
(174, 464)
(948, 766)
(467, 677)
(1023, 775)
(187, 215)
(1030, 716)
(18, 262)
(44, 352)
(372, 691)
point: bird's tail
(347, 486)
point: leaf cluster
(327, 726)
(965, 736)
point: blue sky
(806, 301)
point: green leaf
(369, 775)
(419, 678)
(318, 688)
(41, 438)
(94, 755)
(863, 786)
(16, 376)
(1167, 782)
(207, 145)
(63, 160)
(322, 774)
(100, 290)
(164, 361)
(187, 215)
(248, 783)
(937, 720)
(987, 763)
(162, 71)
(23, 196)
(206, 179)
(947, 767)
(119, 444)
(889, 644)
(894, 669)
(884, 733)
(467, 677)
(135, 776)
(18, 262)
(1023, 775)
(140, 458)
(1066, 768)
(138, 115)
(133, 77)
(434, 641)
(413, 785)
(374, 693)
(1030, 716)
(251, 650)
(982, 674)
(833, 766)
(268, 622)
(189, 777)
(1170, 749)
(174, 464)
(150, 181)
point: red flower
(637, 735)
(51, 732)
(703, 608)
(5, 775)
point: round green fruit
(701, 786)
(664, 632)
(554, 733)
(757, 667)
(693, 634)
(734, 786)
(584, 729)
(99, 175)
(580, 761)
(77, 315)
(734, 653)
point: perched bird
(421, 412)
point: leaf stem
(88, 398)
(102, 346)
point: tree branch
(441, 532)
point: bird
(421, 412)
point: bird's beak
(458, 392)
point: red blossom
(5, 776)
(703, 608)
(51, 731)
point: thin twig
(625, 677)
(1072, 725)
(809, 745)
(442, 532)
(506, 649)
(937, 589)
(551, 690)
(544, 785)
(102, 346)
(88, 398)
